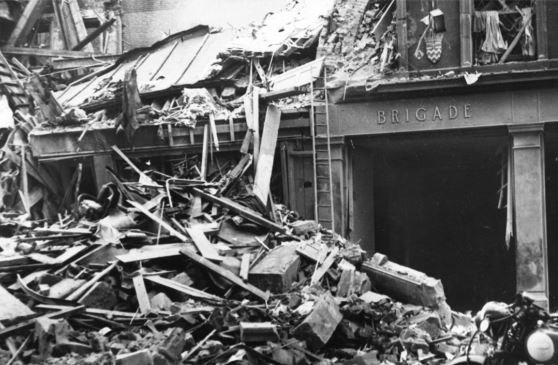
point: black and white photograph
(285, 182)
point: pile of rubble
(168, 270)
(359, 39)
(201, 266)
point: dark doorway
(551, 174)
(436, 210)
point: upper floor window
(503, 31)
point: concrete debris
(318, 327)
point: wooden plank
(213, 131)
(243, 211)
(29, 324)
(47, 52)
(94, 34)
(25, 181)
(516, 39)
(70, 253)
(32, 12)
(94, 311)
(153, 252)
(208, 251)
(19, 350)
(298, 76)
(14, 260)
(41, 298)
(143, 177)
(67, 255)
(230, 276)
(231, 128)
(141, 294)
(206, 248)
(10, 343)
(84, 62)
(12, 307)
(324, 267)
(256, 124)
(78, 24)
(81, 291)
(203, 167)
(267, 153)
(71, 22)
(245, 266)
(185, 289)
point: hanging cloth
(528, 44)
(479, 22)
(494, 42)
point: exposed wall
(146, 22)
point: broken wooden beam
(184, 289)
(28, 324)
(267, 153)
(153, 252)
(245, 266)
(324, 267)
(47, 52)
(227, 274)
(32, 12)
(94, 34)
(141, 294)
(204, 246)
(242, 211)
(85, 287)
(143, 177)
(71, 22)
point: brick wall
(146, 22)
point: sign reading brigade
(423, 114)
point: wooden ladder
(321, 146)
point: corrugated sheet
(180, 60)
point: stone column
(528, 187)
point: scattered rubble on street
(144, 275)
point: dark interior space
(436, 210)
(551, 174)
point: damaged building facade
(435, 142)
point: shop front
(455, 185)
